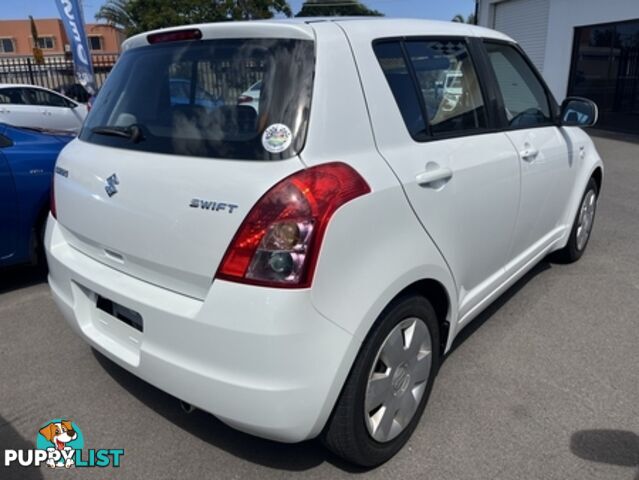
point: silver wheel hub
(397, 381)
(586, 218)
(401, 379)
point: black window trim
(68, 102)
(412, 73)
(553, 107)
(473, 46)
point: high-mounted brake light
(175, 36)
(279, 241)
(244, 99)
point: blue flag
(74, 26)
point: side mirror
(578, 112)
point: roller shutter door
(527, 22)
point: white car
(301, 274)
(38, 107)
(453, 90)
(251, 96)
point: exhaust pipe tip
(186, 407)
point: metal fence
(53, 73)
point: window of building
(95, 42)
(7, 45)
(605, 69)
(46, 43)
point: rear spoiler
(247, 29)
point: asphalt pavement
(544, 385)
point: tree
(135, 16)
(459, 18)
(118, 14)
(331, 8)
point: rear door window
(435, 85)
(391, 59)
(449, 86)
(12, 96)
(43, 98)
(185, 98)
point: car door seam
(519, 196)
(370, 122)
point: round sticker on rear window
(277, 138)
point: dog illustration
(59, 434)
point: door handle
(434, 177)
(529, 153)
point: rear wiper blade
(132, 132)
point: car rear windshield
(243, 99)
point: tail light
(279, 241)
(244, 99)
(52, 206)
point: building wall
(20, 32)
(563, 17)
(112, 38)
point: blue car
(180, 89)
(27, 159)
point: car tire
(582, 226)
(356, 430)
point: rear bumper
(262, 360)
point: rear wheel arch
(343, 433)
(438, 296)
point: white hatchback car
(301, 271)
(37, 107)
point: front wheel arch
(597, 176)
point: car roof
(361, 27)
(22, 85)
(26, 85)
(375, 28)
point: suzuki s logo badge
(111, 185)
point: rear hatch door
(169, 162)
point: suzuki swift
(299, 267)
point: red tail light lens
(279, 241)
(244, 99)
(174, 36)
